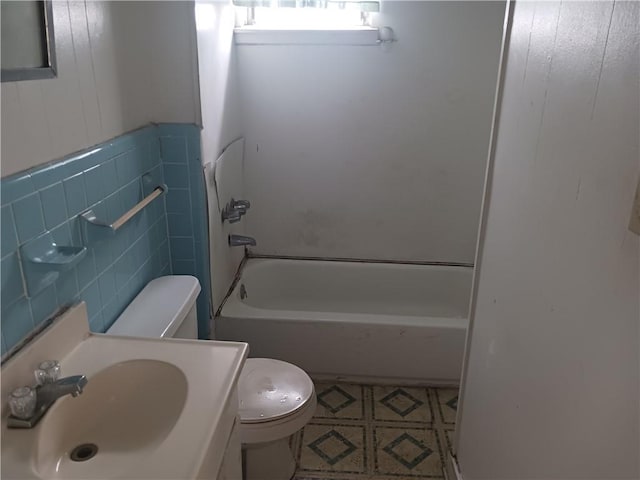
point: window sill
(363, 36)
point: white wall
(221, 125)
(366, 153)
(218, 76)
(551, 386)
(120, 65)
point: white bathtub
(353, 320)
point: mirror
(27, 39)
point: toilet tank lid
(159, 309)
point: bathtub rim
(249, 255)
(252, 256)
(234, 307)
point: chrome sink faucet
(50, 392)
(28, 405)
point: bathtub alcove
(375, 322)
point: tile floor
(376, 433)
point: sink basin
(125, 410)
(153, 408)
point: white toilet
(276, 398)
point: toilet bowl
(276, 398)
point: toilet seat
(271, 389)
(263, 432)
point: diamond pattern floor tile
(376, 433)
(402, 404)
(333, 448)
(410, 452)
(340, 401)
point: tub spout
(241, 240)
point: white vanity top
(203, 404)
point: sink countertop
(211, 369)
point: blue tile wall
(106, 178)
(186, 210)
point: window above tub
(306, 22)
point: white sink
(125, 411)
(153, 408)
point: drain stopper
(84, 452)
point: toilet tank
(166, 307)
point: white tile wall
(120, 66)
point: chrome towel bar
(95, 230)
(136, 208)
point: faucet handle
(234, 210)
(22, 402)
(47, 372)
(242, 205)
(232, 216)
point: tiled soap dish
(43, 260)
